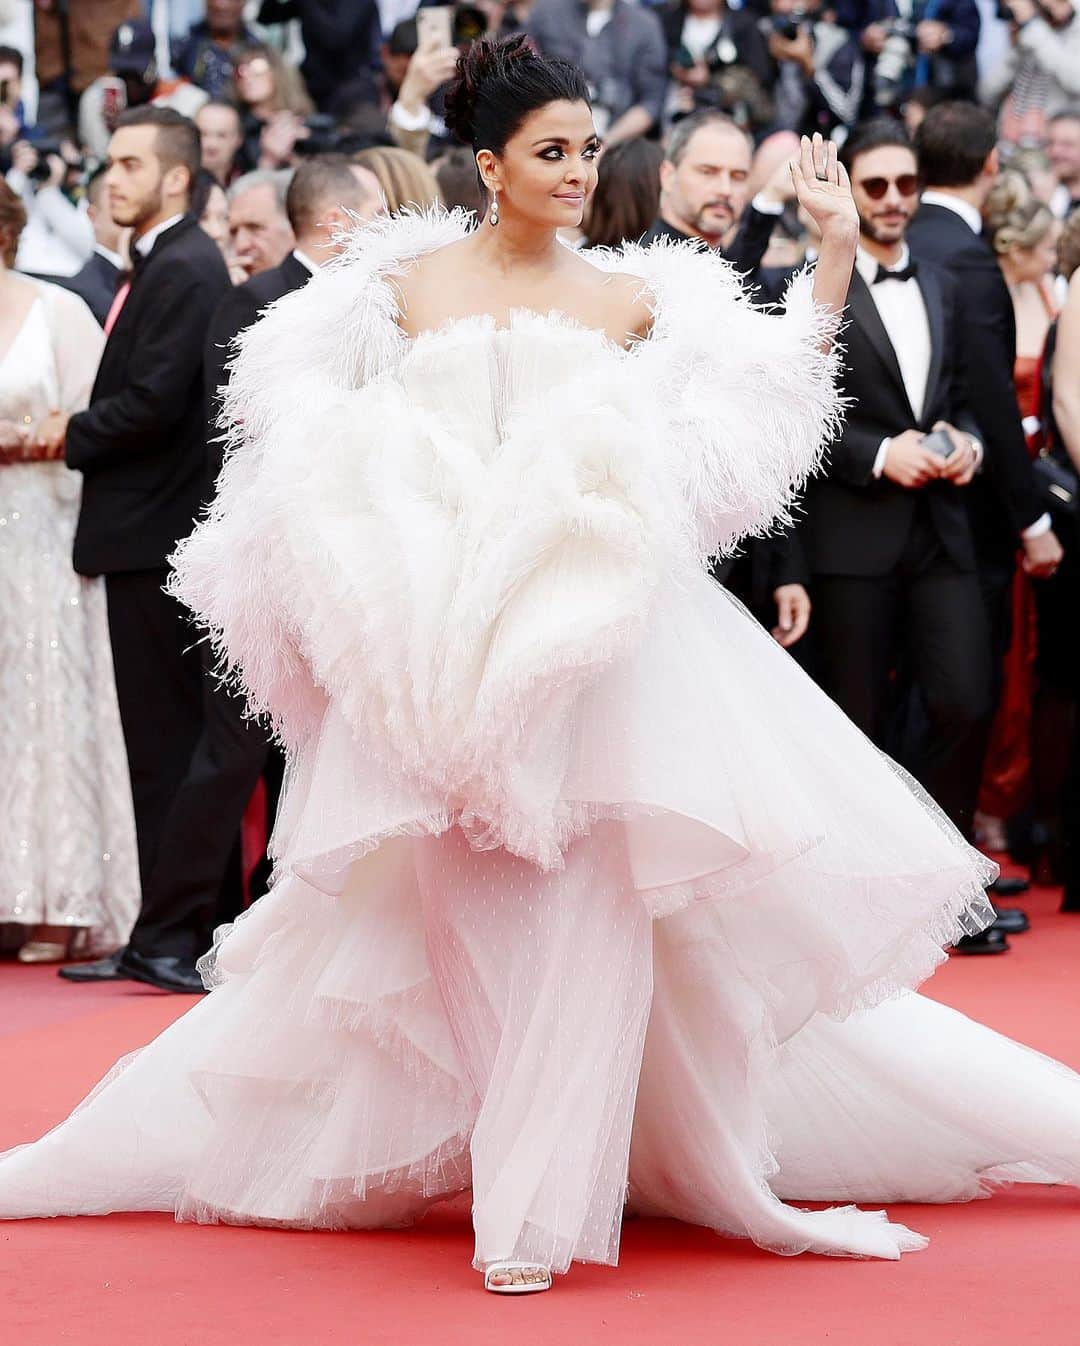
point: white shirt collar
(144, 244)
(113, 258)
(867, 266)
(967, 212)
(306, 261)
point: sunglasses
(907, 184)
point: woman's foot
(47, 944)
(516, 1278)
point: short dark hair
(499, 84)
(873, 135)
(322, 181)
(455, 172)
(1065, 114)
(177, 143)
(686, 128)
(95, 185)
(221, 103)
(953, 142)
(403, 39)
(12, 56)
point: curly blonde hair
(12, 223)
(1015, 217)
(1069, 245)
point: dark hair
(12, 222)
(201, 188)
(499, 84)
(878, 134)
(1066, 114)
(320, 182)
(12, 56)
(403, 39)
(177, 143)
(95, 185)
(686, 128)
(627, 197)
(953, 142)
(459, 185)
(221, 103)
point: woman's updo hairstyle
(1015, 217)
(499, 84)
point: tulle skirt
(704, 1007)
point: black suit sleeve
(235, 312)
(852, 455)
(751, 242)
(165, 365)
(987, 354)
(787, 562)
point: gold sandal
(518, 1287)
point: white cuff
(882, 454)
(977, 449)
(1042, 525)
(764, 206)
(410, 121)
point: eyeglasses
(907, 184)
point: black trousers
(195, 881)
(158, 687)
(926, 617)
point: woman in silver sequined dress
(68, 874)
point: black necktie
(903, 273)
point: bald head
(327, 192)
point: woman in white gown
(583, 888)
(67, 835)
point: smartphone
(435, 27)
(5, 88)
(939, 442)
(113, 100)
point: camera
(787, 25)
(893, 62)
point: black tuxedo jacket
(1004, 499)
(857, 524)
(141, 444)
(239, 309)
(96, 285)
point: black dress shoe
(1011, 921)
(990, 941)
(105, 969)
(167, 974)
(1008, 887)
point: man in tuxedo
(887, 533)
(141, 447)
(196, 882)
(958, 162)
(98, 281)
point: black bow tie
(902, 273)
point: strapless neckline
(520, 317)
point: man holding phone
(886, 532)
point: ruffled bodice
(448, 537)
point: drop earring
(493, 213)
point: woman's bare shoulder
(427, 286)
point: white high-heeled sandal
(517, 1287)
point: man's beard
(146, 208)
(709, 212)
(885, 233)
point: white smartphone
(435, 27)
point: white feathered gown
(582, 884)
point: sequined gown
(67, 839)
(583, 888)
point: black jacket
(1004, 499)
(96, 285)
(747, 248)
(141, 444)
(239, 309)
(857, 524)
(341, 41)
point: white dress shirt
(144, 244)
(305, 261)
(971, 217)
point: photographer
(819, 69)
(58, 238)
(132, 82)
(912, 44)
(13, 124)
(718, 58)
(620, 46)
(1040, 74)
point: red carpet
(998, 1273)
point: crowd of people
(167, 175)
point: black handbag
(1054, 472)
